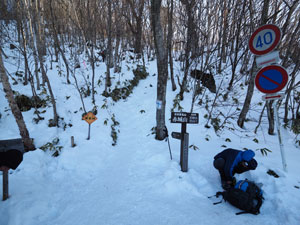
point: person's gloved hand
(252, 164)
(227, 185)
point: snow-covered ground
(135, 182)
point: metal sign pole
(279, 136)
(5, 185)
(89, 132)
(89, 118)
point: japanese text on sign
(89, 118)
(184, 117)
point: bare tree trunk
(27, 8)
(235, 45)
(189, 42)
(224, 33)
(162, 69)
(45, 77)
(109, 62)
(118, 32)
(56, 41)
(40, 53)
(28, 142)
(137, 30)
(109, 41)
(289, 91)
(247, 102)
(38, 15)
(169, 42)
(270, 112)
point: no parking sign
(271, 79)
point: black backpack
(245, 195)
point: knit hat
(248, 155)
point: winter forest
(60, 59)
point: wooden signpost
(183, 118)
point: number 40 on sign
(264, 39)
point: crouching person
(231, 161)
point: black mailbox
(11, 155)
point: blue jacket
(232, 158)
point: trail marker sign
(89, 118)
(183, 136)
(264, 39)
(184, 117)
(271, 79)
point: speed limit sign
(264, 39)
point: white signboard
(269, 97)
(268, 59)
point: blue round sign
(271, 79)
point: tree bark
(28, 142)
(190, 41)
(56, 41)
(250, 90)
(162, 69)
(270, 112)
(138, 29)
(109, 38)
(169, 42)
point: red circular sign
(264, 39)
(271, 79)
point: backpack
(245, 195)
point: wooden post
(5, 185)
(284, 164)
(183, 131)
(72, 142)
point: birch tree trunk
(28, 142)
(162, 69)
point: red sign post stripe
(275, 96)
(273, 81)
